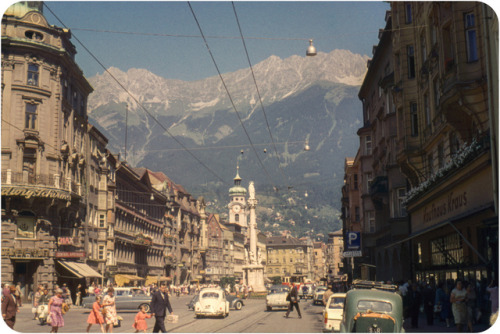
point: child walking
(140, 320)
(95, 316)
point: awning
(80, 270)
(121, 279)
(156, 279)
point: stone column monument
(254, 271)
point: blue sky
(120, 34)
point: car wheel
(238, 305)
(269, 308)
(147, 307)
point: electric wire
(227, 91)
(258, 93)
(138, 102)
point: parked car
(334, 309)
(374, 309)
(318, 295)
(125, 299)
(211, 302)
(306, 291)
(276, 297)
(234, 302)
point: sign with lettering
(471, 193)
(352, 253)
(29, 192)
(25, 253)
(70, 254)
(68, 241)
(353, 240)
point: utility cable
(138, 103)
(258, 93)
(227, 91)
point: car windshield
(336, 303)
(374, 306)
(210, 295)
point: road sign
(353, 240)
(356, 253)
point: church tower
(238, 210)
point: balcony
(38, 186)
(378, 190)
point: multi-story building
(319, 261)
(430, 79)
(45, 152)
(289, 258)
(444, 107)
(383, 186)
(139, 227)
(334, 256)
(215, 252)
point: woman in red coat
(95, 316)
(9, 306)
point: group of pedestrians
(462, 303)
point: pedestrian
(55, 311)
(159, 304)
(95, 316)
(109, 310)
(140, 320)
(35, 302)
(9, 305)
(327, 294)
(18, 294)
(458, 306)
(414, 302)
(470, 303)
(293, 299)
(429, 297)
(493, 291)
(78, 295)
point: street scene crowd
(462, 305)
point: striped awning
(80, 270)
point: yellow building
(289, 258)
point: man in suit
(9, 306)
(293, 297)
(159, 305)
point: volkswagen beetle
(211, 302)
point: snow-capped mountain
(304, 98)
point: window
(440, 155)
(26, 225)
(410, 54)
(414, 119)
(236, 217)
(427, 110)
(430, 166)
(470, 37)
(30, 117)
(102, 221)
(449, 58)
(423, 47)
(400, 209)
(369, 179)
(356, 214)
(408, 14)
(101, 252)
(370, 224)
(437, 95)
(355, 181)
(368, 145)
(33, 72)
(454, 143)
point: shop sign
(70, 254)
(36, 192)
(25, 253)
(470, 194)
(71, 241)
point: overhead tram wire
(229, 95)
(258, 93)
(138, 103)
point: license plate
(207, 306)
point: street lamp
(311, 50)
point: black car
(234, 302)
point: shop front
(454, 228)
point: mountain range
(197, 132)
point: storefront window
(447, 250)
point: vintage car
(306, 291)
(334, 309)
(234, 302)
(125, 299)
(318, 295)
(276, 297)
(377, 309)
(211, 302)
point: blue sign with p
(353, 240)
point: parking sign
(353, 240)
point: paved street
(253, 318)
